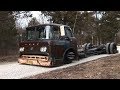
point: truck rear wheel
(69, 56)
(89, 46)
(85, 46)
(113, 48)
(108, 48)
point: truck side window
(56, 32)
(68, 32)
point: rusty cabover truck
(48, 45)
(53, 44)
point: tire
(85, 46)
(67, 57)
(113, 48)
(89, 46)
(85, 55)
(108, 48)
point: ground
(10, 58)
(103, 68)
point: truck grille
(35, 57)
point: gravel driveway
(15, 70)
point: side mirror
(64, 38)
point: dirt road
(15, 70)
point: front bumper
(35, 60)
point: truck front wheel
(69, 56)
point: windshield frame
(47, 29)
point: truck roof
(54, 24)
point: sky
(23, 22)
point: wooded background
(96, 27)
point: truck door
(71, 39)
(58, 48)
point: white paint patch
(47, 31)
(62, 31)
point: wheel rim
(70, 56)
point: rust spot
(35, 60)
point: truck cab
(48, 45)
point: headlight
(21, 49)
(43, 49)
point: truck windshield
(42, 32)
